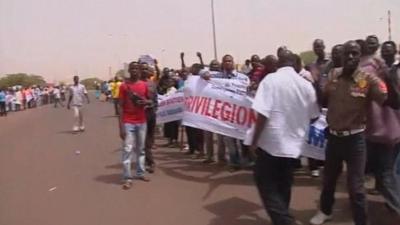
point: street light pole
(389, 25)
(214, 31)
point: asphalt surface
(49, 176)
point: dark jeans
(352, 150)
(383, 157)
(151, 128)
(314, 164)
(115, 102)
(3, 111)
(274, 179)
(195, 139)
(171, 130)
(57, 101)
(209, 145)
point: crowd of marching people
(18, 98)
(357, 87)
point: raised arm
(122, 93)
(158, 72)
(183, 60)
(71, 93)
(200, 58)
(392, 80)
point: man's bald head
(286, 58)
(319, 48)
(270, 63)
(280, 49)
(215, 65)
(336, 55)
(255, 60)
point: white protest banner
(315, 142)
(170, 107)
(146, 59)
(218, 105)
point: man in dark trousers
(347, 95)
(150, 115)
(279, 134)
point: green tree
(120, 73)
(308, 57)
(22, 79)
(90, 83)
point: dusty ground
(44, 182)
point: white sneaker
(75, 129)
(320, 218)
(315, 173)
(82, 128)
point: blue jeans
(133, 145)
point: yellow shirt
(115, 89)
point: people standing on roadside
(195, 136)
(10, 99)
(115, 85)
(246, 68)
(62, 91)
(97, 90)
(18, 99)
(229, 72)
(57, 97)
(77, 94)
(383, 133)
(208, 137)
(319, 71)
(151, 109)
(3, 111)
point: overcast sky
(58, 38)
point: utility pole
(389, 25)
(109, 72)
(214, 30)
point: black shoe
(151, 169)
(208, 161)
(234, 168)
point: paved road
(44, 182)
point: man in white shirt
(285, 104)
(57, 97)
(76, 95)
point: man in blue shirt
(3, 111)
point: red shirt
(131, 113)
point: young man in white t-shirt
(76, 95)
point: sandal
(145, 179)
(127, 185)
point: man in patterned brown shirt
(348, 93)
